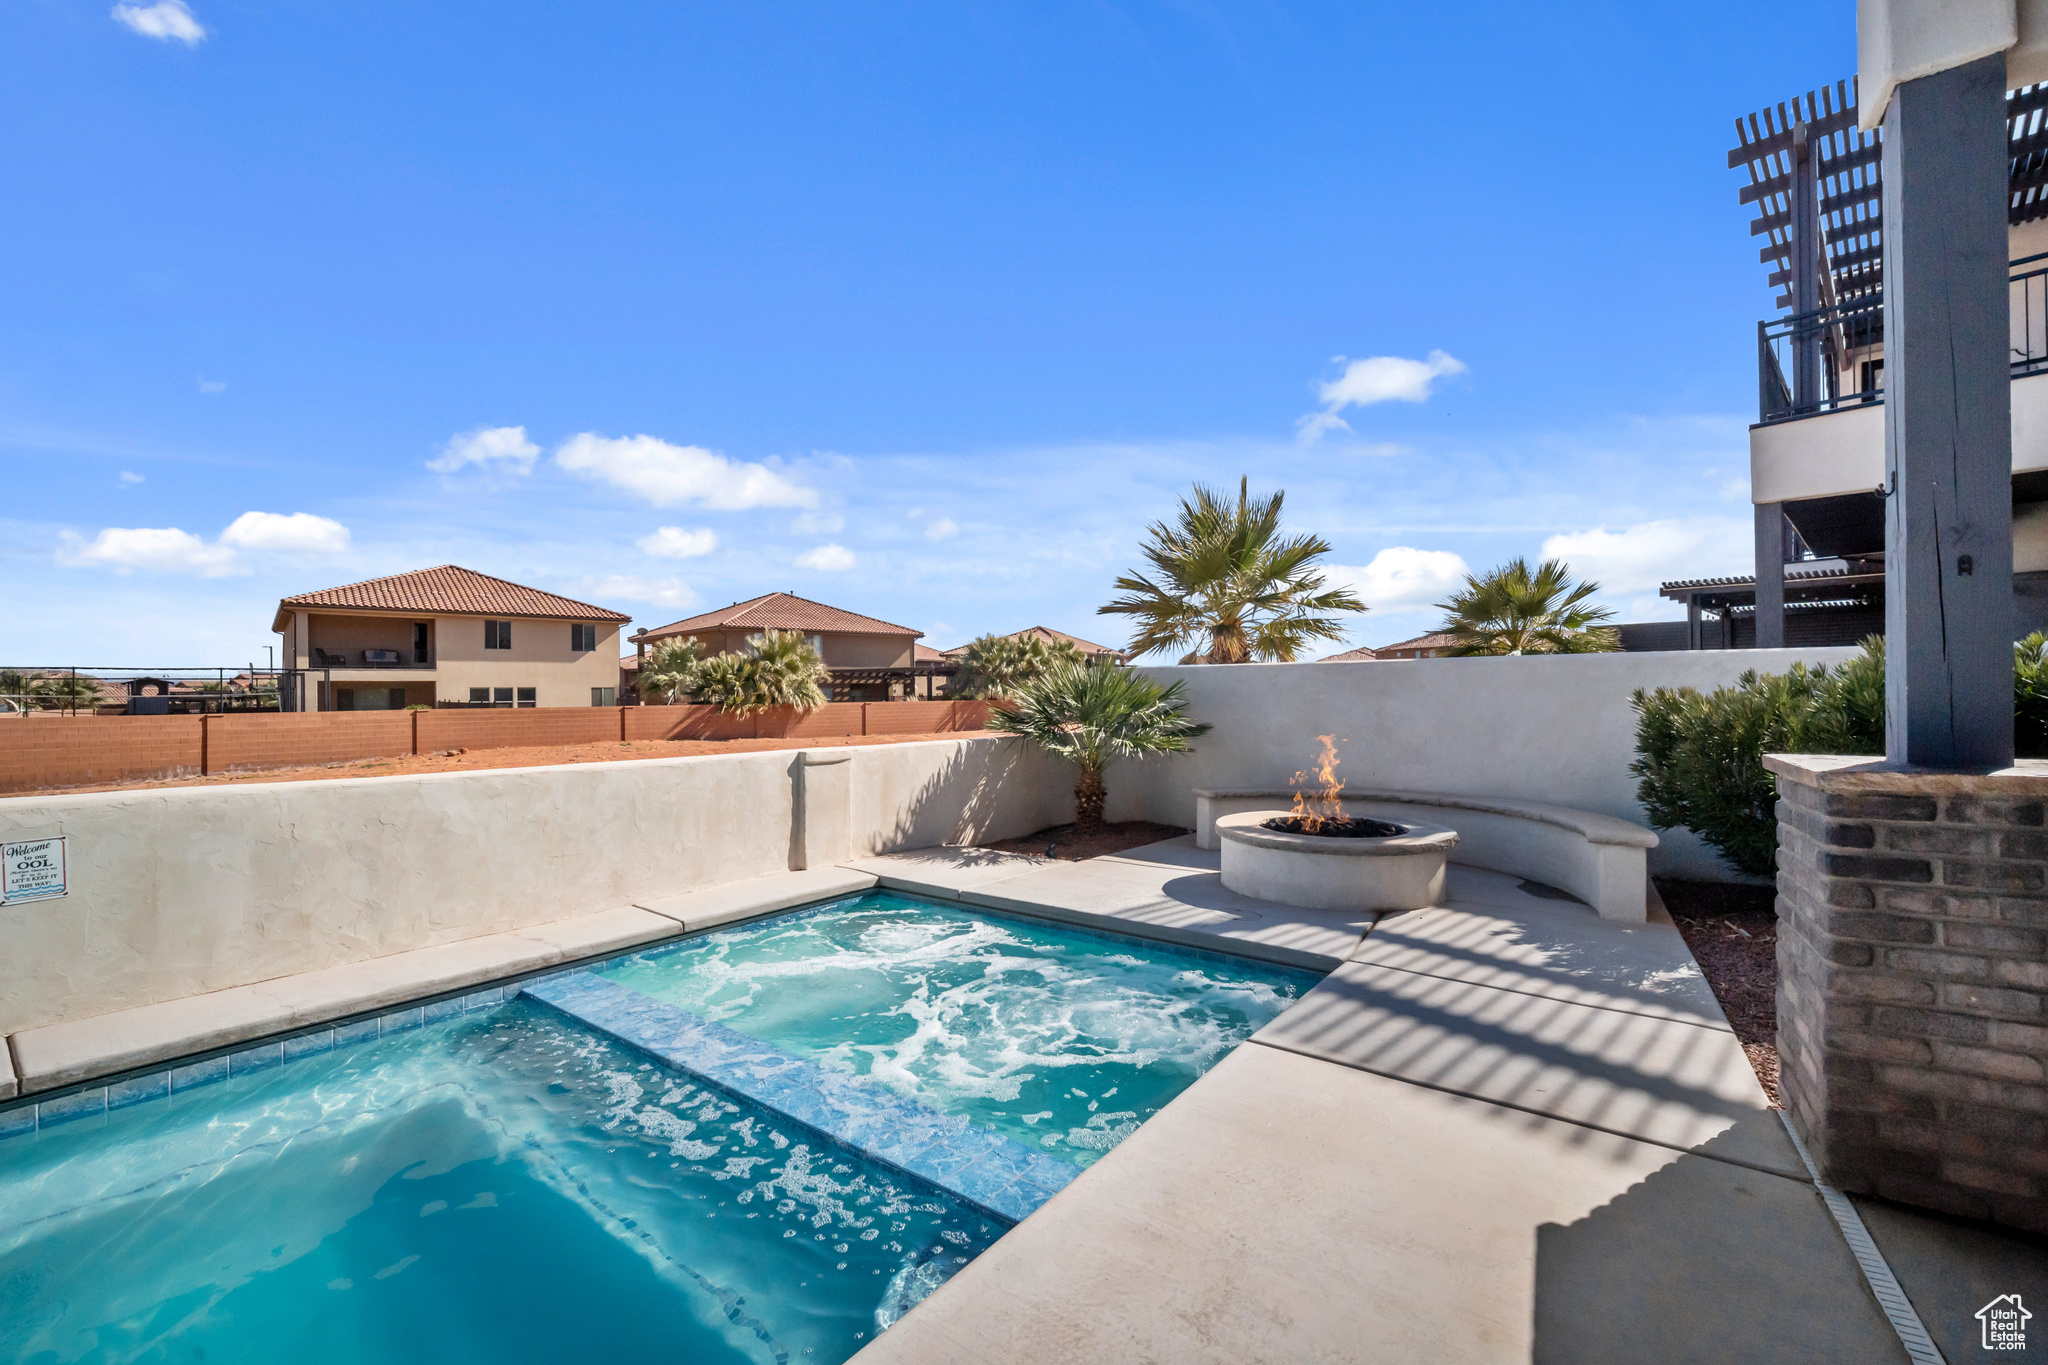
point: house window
(582, 637)
(526, 697)
(501, 696)
(479, 696)
(344, 699)
(497, 635)
(419, 642)
(604, 696)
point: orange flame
(1320, 805)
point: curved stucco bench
(1598, 858)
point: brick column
(1913, 980)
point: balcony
(1825, 438)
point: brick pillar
(1913, 981)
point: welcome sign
(34, 870)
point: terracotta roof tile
(1050, 636)
(451, 590)
(780, 611)
(1351, 656)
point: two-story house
(870, 659)
(1817, 458)
(447, 636)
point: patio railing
(1849, 341)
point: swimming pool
(499, 1186)
(1060, 1038)
(579, 1172)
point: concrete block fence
(47, 752)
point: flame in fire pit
(1317, 805)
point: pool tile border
(51, 1111)
(996, 1174)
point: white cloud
(828, 558)
(817, 524)
(129, 476)
(673, 542)
(489, 448)
(942, 528)
(299, 533)
(667, 475)
(1639, 558)
(213, 385)
(662, 592)
(1376, 379)
(158, 549)
(1401, 576)
(165, 20)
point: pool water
(1063, 1039)
(500, 1186)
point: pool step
(994, 1173)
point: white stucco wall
(178, 891)
(1557, 729)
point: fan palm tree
(1227, 583)
(669, 672)
(999, 665)
(1094, 716)
(787, 671)
(1514, 611)
(726, 681)
(63, 691)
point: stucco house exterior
(870, 659)
(447, 636)
(1090, 651)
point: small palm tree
(1094, 716)
(669, 672)
(1000, 665)
(1514, 611)
(726, 681)
(63, 691)
(787, 671)
(1227, 584)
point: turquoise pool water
(1062, 1039)
(501, 1186)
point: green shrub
(1700, 756)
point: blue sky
(923, 310)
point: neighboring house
(448, 636)
(871, 660)
(1090, 651)
(1352, 656)
(1439, 645)
(1816, 452)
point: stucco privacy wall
(184, 890)
(1557, 729)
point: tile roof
(1350, 656)
(780, 611)
(1050, 636)
(1436, 640)
(451, 590)
(925, 654)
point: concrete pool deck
(1500, 1130)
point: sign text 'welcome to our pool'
(34, 870)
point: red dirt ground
(609, 751)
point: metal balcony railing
(1848, 341)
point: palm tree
(63, 691)
(669, 672)
(1512, 611)
(726, 681)
(1094, 716)
(999, 665)
(1227, 584)
(787, 671)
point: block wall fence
(46, 752)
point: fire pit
(1319, 857)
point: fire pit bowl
(1398, 871)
